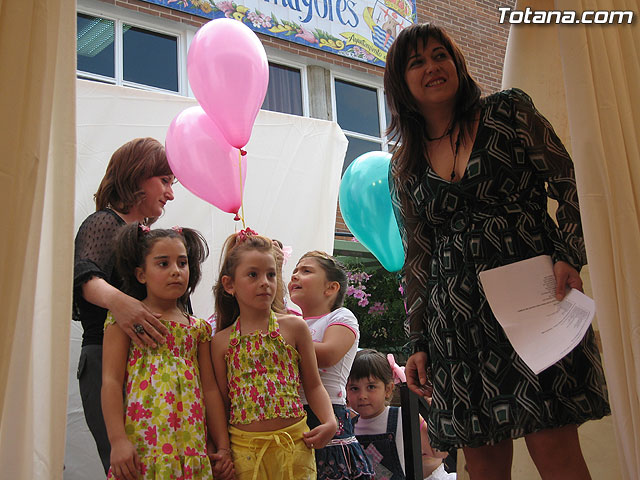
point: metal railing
(414, 406)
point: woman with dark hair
(135, 188)
(470, 180)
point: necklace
(455, 157)
(446, 133)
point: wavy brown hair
(129, 166)
(334, 271)
(227, 308)
(408, 127)
(133, 244)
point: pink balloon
(229, 75)
(203, 161)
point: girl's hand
(129, 312)
(565, 275)
(125, 462)
(320, 436)
(416, 373)
(222, 464)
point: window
(358, 112)
(284, 93)
(117, 52)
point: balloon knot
(237, 217)
(243, 152)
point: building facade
(144, 44)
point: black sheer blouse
(94, 257)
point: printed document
(541, 329)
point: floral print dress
(164, 405)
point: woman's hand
(125, 462)
(566, 276)
(129, 312)
(416, 372)
(320, 436)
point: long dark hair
(227, 308)
(133, 244)
(408, 127)
(129, 166)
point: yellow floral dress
(164, 405)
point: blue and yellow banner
(358, 29)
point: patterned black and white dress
(495, 215)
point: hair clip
(244, 234)
(145, 229)
(398, 371)
(176, 228)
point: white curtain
(37, 134)
(585, 79)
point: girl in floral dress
(260, 360)
(160, 430)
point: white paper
(541, 329)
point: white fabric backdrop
(291, 192)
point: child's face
(368, 396)
(166, 269)
(254, 280)
(309, 284)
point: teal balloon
(365, 204)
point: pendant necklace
(446, 133)
(455, 157)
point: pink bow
(398, 371)
(286, 252)
(244, 234)
(144, 228)
(176, 228)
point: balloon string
(241, 192)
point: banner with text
(358, 29)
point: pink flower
(151, 435)
(253, 392)
(135, 411)
(271, 387)
(196, 411)
(174, 420)
(167, 448)
(169, 397)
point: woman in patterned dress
(470, 178)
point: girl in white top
(379, 426)
(318, 286)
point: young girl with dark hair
(171, 395)
(379, 426)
